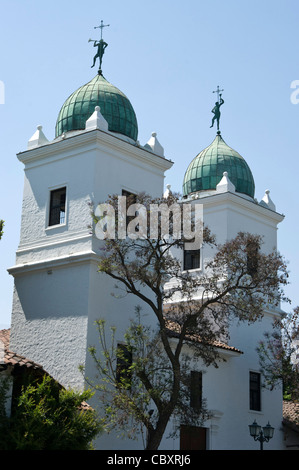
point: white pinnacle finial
(267, 201)
(97, 121)
(167, 192)
(225, 185)
(154, 145)
(38, 139)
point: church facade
(58, 291)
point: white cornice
(61, 239)
(57, 262)
(240, 203)
(93, 139)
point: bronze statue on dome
(101, 45)
(216, 109)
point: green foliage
(48, 417)
(4, 387)
(135, 382)
(1, 228)
(123, 400)
(276, 354)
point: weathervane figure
(101, 45)
(216, 109)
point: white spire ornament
(225, 185)
(37, 139)
(154, 145)
(96, 121)
(267, 201)
(167, 192)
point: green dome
(115, 107)
(207, 168)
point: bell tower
(58, 292)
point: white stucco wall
(58, 293)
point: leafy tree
(232, 286)
(276, 353)
(135, 376)
(1, 228)
(48, 417)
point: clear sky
(167, 56)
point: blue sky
(167, 56)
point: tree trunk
(155, 437)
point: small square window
(57, 206)
(131, 199)
(191, 259)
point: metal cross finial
(101, 27)
(218, 92)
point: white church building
(59, 293)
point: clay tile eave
(291, 414)
(172, 331)
(13, 359)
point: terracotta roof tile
(173, 330)
(4, 337)
(13, 359)
(291, 414)
(177, 309)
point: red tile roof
(13, 359)
(4, 337)
(16, 360)
(173, 330)
(291, 414)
